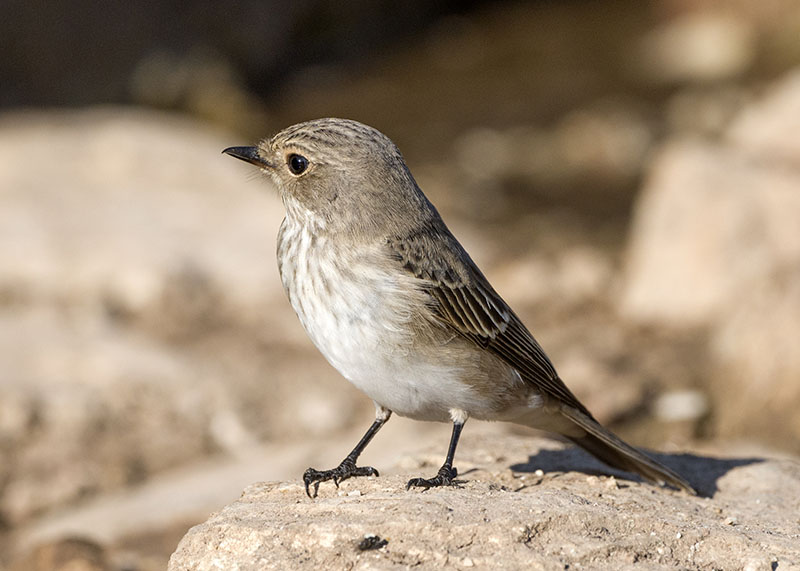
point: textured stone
(511, 518)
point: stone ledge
(512, 516)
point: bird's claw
(347, 469)
(445, 477)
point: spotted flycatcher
(397, 306)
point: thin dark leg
(348, 468)
(447, 474)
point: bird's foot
(445, 477)
(347, 469)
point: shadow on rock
(702, 472)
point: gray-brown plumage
(395, 303)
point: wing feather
(463, 299)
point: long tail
(612, 450)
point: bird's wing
(464, 300)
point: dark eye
(297, 164)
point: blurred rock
(605, 143)
(704, 111)
(590, 372)
(756, 375)
(681, 406)
(710, 220)
(609, 142)
(715, 243)
(142, 321)
(87, 407)
(578, 275)
(682, 414)
(506, 506)
(112, 208)
(768, 128)
(698, 46)
(64, 555)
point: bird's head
(341, 171)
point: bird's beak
(249, 155)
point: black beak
(249, 155)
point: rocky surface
(524, 503)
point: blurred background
(626, 173)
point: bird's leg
(447, 474)
(348, 468)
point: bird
(397, 306)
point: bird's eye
(297, 163)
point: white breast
(357, 313)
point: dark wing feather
(463, 299)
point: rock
(768, 128)
(704, 111)
(717, 217)
(578, 275)
(697, 46)
(715, 246)
(681, 406)
(135, 213)
(756, 362)
(86, 407)
(514, 517)
(605, 143)
(142, 321)
(709, 222)
(64, 555)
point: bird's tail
(612, 450)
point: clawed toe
(445, 477)
(339, 474)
